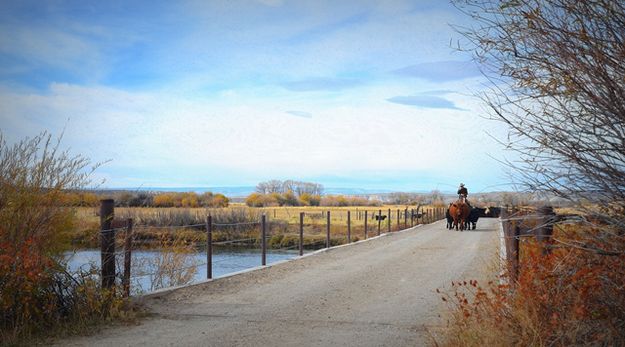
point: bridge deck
(376, 293)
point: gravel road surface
(381, 292)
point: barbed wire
(231, 241)
(112, 229)
(236, 224)
(144, 227)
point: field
(239, 224)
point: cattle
(450, 219)
(378, 217)
(474, 215)
(492, 212)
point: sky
(357, 94)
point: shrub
(36, 292)
(570, 297)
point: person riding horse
(463, 192)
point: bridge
(381, 292)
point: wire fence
(521, 225)
(158, 256)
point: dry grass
(282, 223)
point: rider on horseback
(462, 193)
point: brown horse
(459, 211)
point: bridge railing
(522, 225)
(118, 237)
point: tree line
(145, 199)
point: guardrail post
(516, 249)
(263, 236)
(107, 243)
(209, 247)
(349, 227)
(406, 218)
(365, 224)
(127, 258)
(511, 234)
(545, 231)
(328, 230)
(301, 233)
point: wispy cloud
(440, 71)
(302, 114)
(322, 31)
(321, 84)
(425, 100)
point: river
(155, 269)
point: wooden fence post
(301, 233)
(406, 218)
(388, 224)
(107, 243)
(515, 252)
(365, 224)
(511, 234)
(263, 235)
(209, 246)
(545, 231)
(328, 230)
(398, 221)
(349, 227)
(127, 258)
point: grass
(241, 222)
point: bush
(36, 292)
(570, 297)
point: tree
(272, 186)
(558, 83)
(282, 187)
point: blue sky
(362, 94)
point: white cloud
(145, 132)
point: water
(156, 269)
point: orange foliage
(569, 297)
(26, 276)
(190, 199)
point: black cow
(382, 217)
(450, 220)
(474, 215)
(493, 212)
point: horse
(459, 212)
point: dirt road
(376, 293)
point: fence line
(515, 229)
(110, 226)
